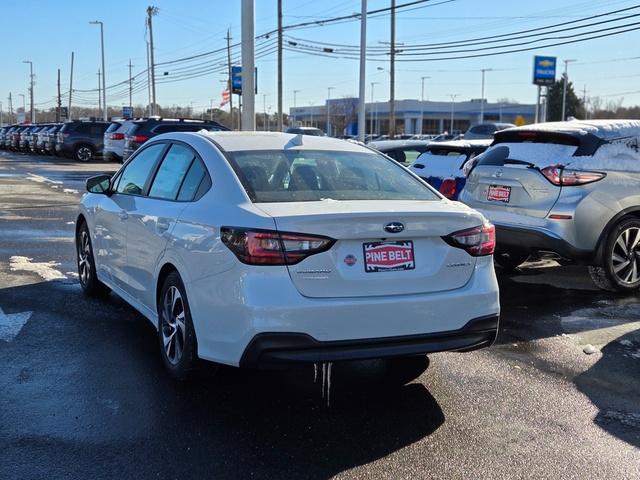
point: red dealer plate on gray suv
(499, 193)
(388, 256)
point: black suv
(81, 140)
(142, 130)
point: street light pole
(104, 72)
(564, 90)
(24, 107)
(362, 111)
(295, 104)
(248, 64)
(422, 105)
(453, 100)
(375, 111)
(482, 99)
(33, 112)
(328, 132)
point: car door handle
(162, 226)
(122, 215)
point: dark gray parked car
(81, 140)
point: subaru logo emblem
(394, 227)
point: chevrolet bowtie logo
(546, 63)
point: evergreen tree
(575, 108)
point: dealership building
(412, 116)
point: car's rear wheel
(86, 264)
(620, 268)
(83, 153)
(510, 259)
(176, 334)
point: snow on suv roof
(606, 129)
(237, 141)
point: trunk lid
(424, 262)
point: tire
(510, 259)
(83, 153)
(620, 267)
(176, 335)
(89, 282)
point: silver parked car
(571, 188)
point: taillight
(266, 247)
(477, 241)
(117, 136)
(139, 138)
(566, 177)
(448, 188)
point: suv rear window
(113, 127)
(311, 175)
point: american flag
(226, 96)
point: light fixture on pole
(564, 90)
(328, 129)
(422, 105)
(482, 99)
(453, 103)
(33, 112)
(104, 72)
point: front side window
(174, 167)
(135, 175)
(309, 175)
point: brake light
(139, 138)
(266, 247)
(117, 136)
(477, 241)
(448, 188)
(565, 177)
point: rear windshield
(113, 127)
(310, 175)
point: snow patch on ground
(40, 179)
(70, 190)
(46, 270)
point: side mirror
(99, 184)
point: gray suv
(569, 188)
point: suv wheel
(510, 259)
(620, 269)
(83, 153)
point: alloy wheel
(625, 257)
(84, 154)
(173, 325)
(84, 257)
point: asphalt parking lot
(83, 393)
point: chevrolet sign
(544, 70)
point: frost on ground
(45, 269)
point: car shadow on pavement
(83, 387)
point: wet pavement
(83, 393)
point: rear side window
(113, 127)
(311, 175)
(179, 128)
(192, 181)
(135, 176)
(97, 129)
(172, 172)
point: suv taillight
(477, 241)
(566, 177)
(448, 188)
(267, 247)
(117, 136)
(139, 138)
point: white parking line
(12, 323)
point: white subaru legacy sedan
(263, 248)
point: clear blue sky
(47, 31)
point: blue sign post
(127, 113)
(236, 79)
(544, 70)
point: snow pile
(606, 129)
(45, 269)
(611, 156)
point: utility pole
(375, 113)
(130, 85)
(482, 99)
(10, 108)
(248, 66)
(1, 119)
(149, 107)
(99, 95)
(295, 101)
(392, 74)
(104, 73)
(33, 112)
(70, 88)
(151, 11)
(211, 111)
(564, 90)
(264, 111)
(537, 115)
(422, 105)
(229, 84)
(328, 128)
(584, 101)
(280, 116)
(453, 104)
(59, 109)
(362, 112)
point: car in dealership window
(256, 248)
(569, 188)
(442, 164)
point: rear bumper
(285, 348)
(539, 239)
(110, 156)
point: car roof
(485, 142)
(605, 129)
(390, 144)
(237, 141)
